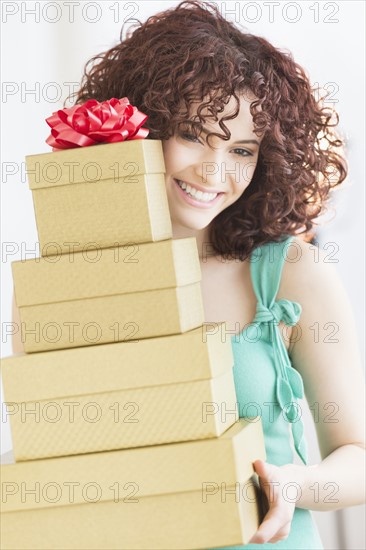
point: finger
(263, 469)
(282, 534)
(274, 524)
(266, 472)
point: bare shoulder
(309, 273)
(311, 280)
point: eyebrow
(253, 141)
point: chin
(192, 223)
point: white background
(44, 48)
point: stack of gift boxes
(122, 408)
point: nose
(214, 170)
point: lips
(191, 200)
(199, 188)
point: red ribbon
(94, 122)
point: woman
(251, 159)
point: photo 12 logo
(284, 12)
(70, 12)
(70, 492)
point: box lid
(95, 163)
(198, 354)
(161, 469)
(106, 272)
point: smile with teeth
(198, 195)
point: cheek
(247, 173)
(176, 157)
(172, 156)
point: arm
(333, 378)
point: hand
(276, 524)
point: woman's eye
(238, 151)
(243, 152)
(188, 137)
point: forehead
(243, 119)
(224, 109)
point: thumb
(262, 469)
(266, 473)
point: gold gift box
(120, 293)
(123, 395)
(109, 195)
(192, 495)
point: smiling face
(201, 181)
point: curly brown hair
(190, 52)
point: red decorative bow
(94, 122)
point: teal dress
(267, 385)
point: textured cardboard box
(123, 395)
(109, 195)
(143, 291)
(197, 494)
(75, 424)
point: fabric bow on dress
(289, 385)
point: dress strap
(266, 268)
(266, 265)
